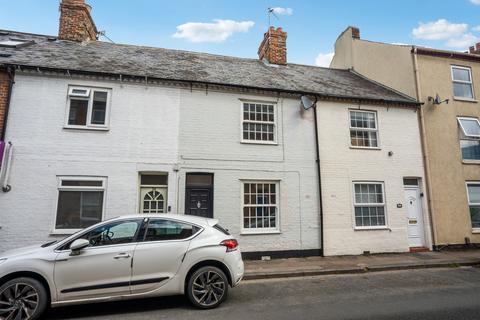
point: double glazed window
(473, 189)
(363, 129)
(462, 82)
(260, 205)
(369, 203)
(87, 107)
(469, 138)
(80, 202)
(258, 123)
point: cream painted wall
(391, 65)
(449, 173)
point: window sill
(64, 232)
(371, 228)
(272, 143)
(476, 230)
(258, 232)
(366, 148)
(86, 128)
(465, 99)
(471, 161)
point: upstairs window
(469, 138)
(462, 82)
(363, 129)
(87, 107)
(259, 123)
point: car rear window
(221, 229)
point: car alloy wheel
(208, 287)
(18, 301)
(22, 299)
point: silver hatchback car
(123, 258)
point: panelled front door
(415, 217)
(199, 194)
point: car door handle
(122, 256)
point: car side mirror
(78, 245)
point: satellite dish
(307, 103)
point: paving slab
(311, 266)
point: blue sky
(236, 27)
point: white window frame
(463, 82)
(355, 204)
(90, 91)
(275, 121)
(247, 231)
(463, 136)
(60, 188)
(363, 129)
(463, 129)
(468, 183)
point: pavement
(313, 266)
(427, 294)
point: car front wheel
(22, 299)
(207, 287)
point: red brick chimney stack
(274, 46)
(76, 23)
(475, 49)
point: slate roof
(168, 64)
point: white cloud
(217, 31)
(477, 28)
(475, 1)
(324, 59)
(439, 30)
(463, 41)
(284, 11)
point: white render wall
(156, 128)
(341, 165)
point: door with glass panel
(153, 193)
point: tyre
(207, 287)
(22, 299)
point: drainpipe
(320, 201)
(11, 75)
(421, 121)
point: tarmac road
(452, 293)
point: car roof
(182, 217)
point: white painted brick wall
(143, 136)
(399, 133)
(147, 127)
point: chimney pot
(76, 23)
(274, 46)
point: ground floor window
(473, 189)
(80, 202)
(153, 192)
(260, 205)
(369, 203)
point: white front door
(415, 217)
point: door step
(419, 249)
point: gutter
(11, 75)
(413, 104)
